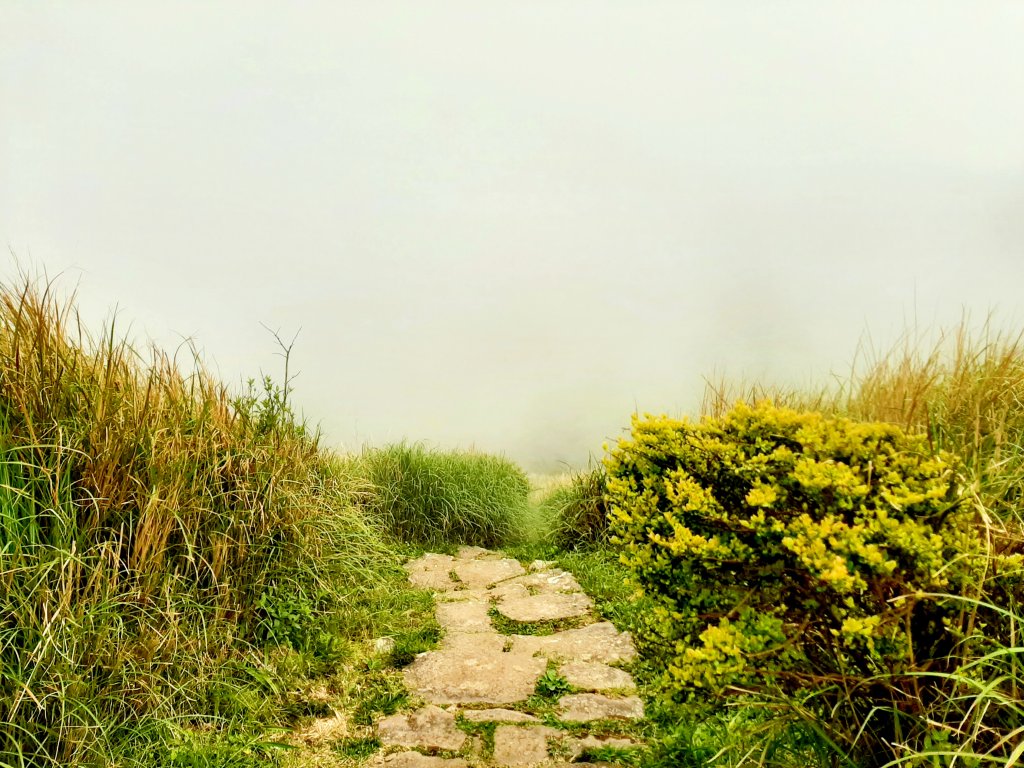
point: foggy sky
(510, 224)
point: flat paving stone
(596, 642)
(430, 728)
(432, 572)
(476, 553)
(516, 745)
(417, 760)
(545, 607)
(585, 707)
(548, 581)
(600, 742)
(474, 642)
(468, 616)
(498, 716)
(595, 676)
(482, 573)
(475, 671)
(507, 590)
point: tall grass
(965, 389)
(435, 497)
(575, 510)
(145, 515)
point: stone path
(482, 679)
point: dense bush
(434, 497)
(813, 560)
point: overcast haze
(508, 224)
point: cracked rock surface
(431, 728)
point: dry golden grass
(146, 514)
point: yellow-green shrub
(797, 554)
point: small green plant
(381, 692)
(285, 615)
(413, 642)
(551, 685)
(238, 749)
(357, 749)
(612, 756)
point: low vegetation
(187, 578)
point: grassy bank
(157, 534)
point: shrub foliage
(800, 555)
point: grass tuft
(576, 510)
(440, 498)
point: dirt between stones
(479, 676)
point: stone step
(475, 666)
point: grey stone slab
(482, 573)
(417, 760)
(552, 580)
(585, 707)
(600, 742)
(432, 571)
(474, 643)
(508, 590)
(498, 716)
(545, 607)
(595, 676)
(475, 671)
(596, 642)
(477, 553)
(516, 745)
(430, 728)
(465, 616)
